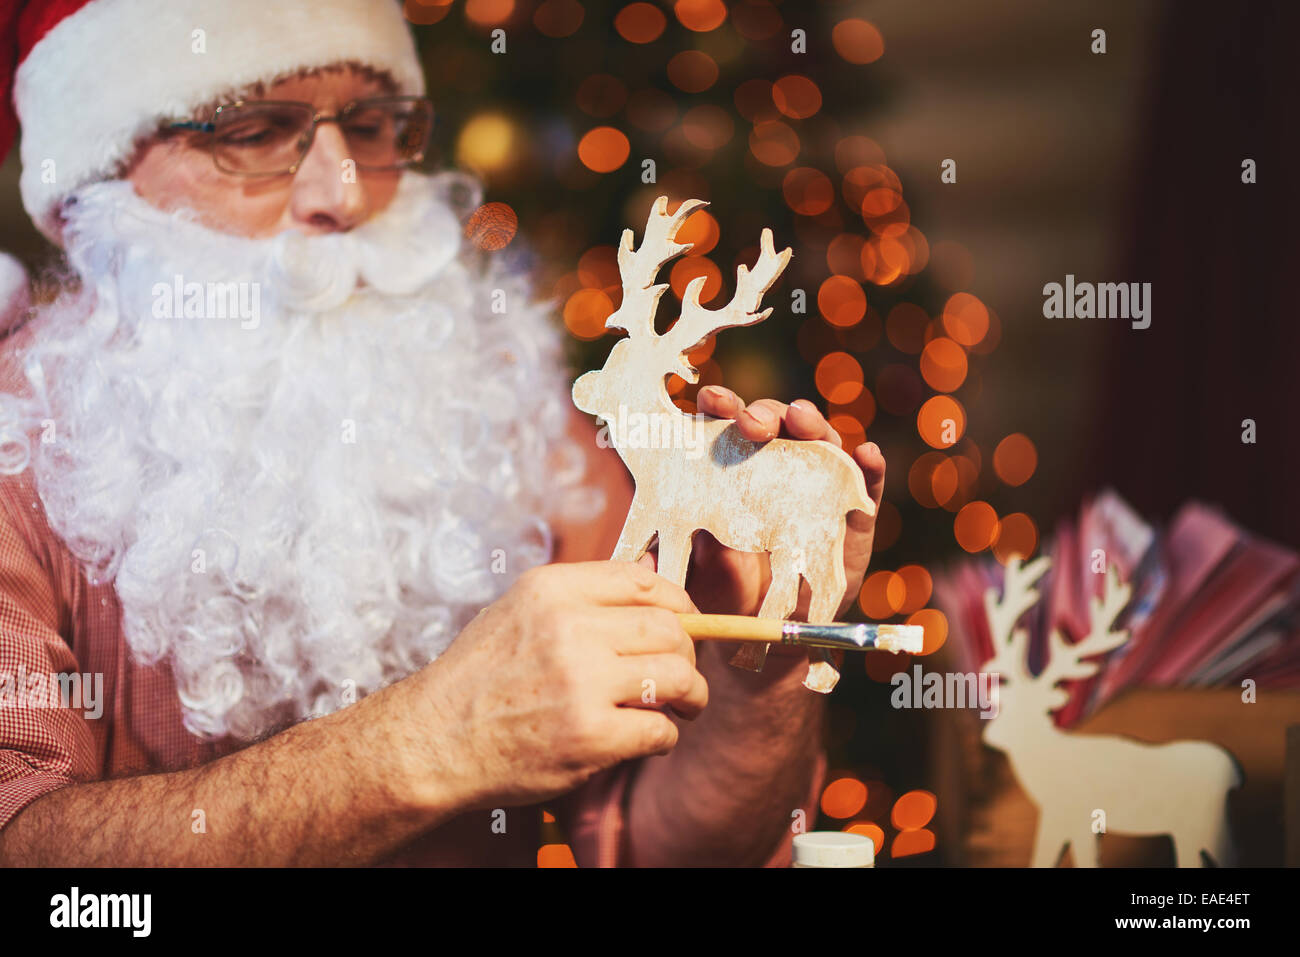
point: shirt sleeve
(43, 746)
(598, 831)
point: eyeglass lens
(270, 137)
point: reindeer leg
(1047, 842)
(780, 602)
(635, 538)
(828, 582)
(675, 556)
(1085, 845)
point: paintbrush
(848, 637)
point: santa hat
(88, 79)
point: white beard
(296, 514)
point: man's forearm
(323, 792)
(726, 793)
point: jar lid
(834, 849)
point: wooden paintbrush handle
(732, 627)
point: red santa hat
(88, 79)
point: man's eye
(258, 132)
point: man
(272, 456)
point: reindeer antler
(638, 267)
(1066, 661)
(1018, 596)
(698, 323)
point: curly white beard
(315, 506)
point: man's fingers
(620, 583)
(719, 402)
(661, 679)
(637, 732)
(641, 631)
(761, 420)
(803, 420)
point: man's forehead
(328, 88)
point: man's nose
(327, 193)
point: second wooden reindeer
(1085, 784)
(787, 498)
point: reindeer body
(1177, 788)
(790, 499)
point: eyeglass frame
(317, 118)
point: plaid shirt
(52, 620)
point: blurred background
(932, 165)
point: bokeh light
(935, 625)
(796, 96)
(841, 301)
(943, 365)
(603, 149)
(941, 422)
(640, 23)
(843, 797)
(1017, 535)
(976, 526)
(858, 41)
(838, 377)
(1015, 459)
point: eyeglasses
(272, 137)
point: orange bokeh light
(841, 301)
(1015, 459)
(640, 23)
(943, 365)
(700, 15)
(485, 13)
(913, 810)
(882, 594)
(935, 624)
(796, 96)
(555, 855)
(807, 191)
(701, 230)
(558, 18)
(603, 149)
(909, 843)
(1017, 535)
(688, 268)
(965, 319)
(844, 797)
(917, 586)
(976, 526)
(941, 422)
(585, 313)
(838, 377)
(857, 41)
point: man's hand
(723, 580)
(549, 684)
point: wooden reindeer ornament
(787, 498)
(1078, 781)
